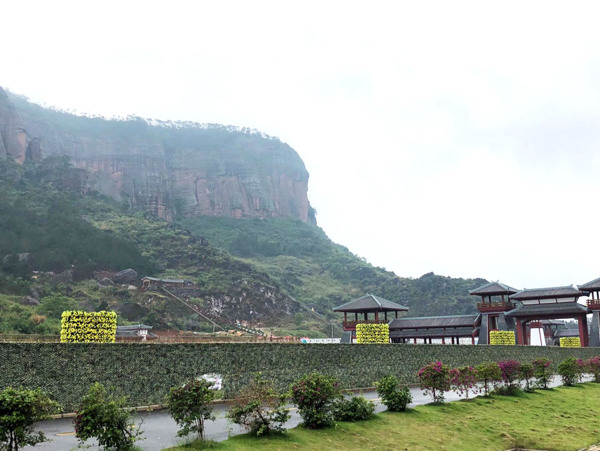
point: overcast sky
(453, 137)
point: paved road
(160, 431)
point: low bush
(526, 374)
(20, 409)
(393, 396)
(355, 408)
(510, 376)
(258, 408)
(489, 374)
(594, 368)
(434, 380)
(542, 373)
(314, 395)
(463, 380)
(569, 371)
(106, 419)
(190, 407)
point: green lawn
(565, 418)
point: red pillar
(376, 317)
(472, 340)
(524, 333)
(443, 340)
(583, 331)
(519, 332)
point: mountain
(165, 168)
(222, 207)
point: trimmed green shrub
(542, 372)
(20, 409)
(570, 342)
(355, 408)
(434, 380)
(314, 395)
(258, 408)
(489, 374)
(190, 406)
(106, 419)
(372, 333)
(569, 371)
(392, 395)
(88, 327)
(502, 337)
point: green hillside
(257, 270)
(322, 274)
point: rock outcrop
(165, 169)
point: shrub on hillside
(392, 395)
(106, 419)
(569, 371)
(510, 375)
(526, 373)
(490, 375)
(20, 409)
(542, 373)
(463, 380)
(434, 380)
(355, 408)
(258, 408)
(189, 405)
(314, 396)
(594, 368)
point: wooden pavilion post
(376, 316)
(519, 332)
(583, 331)
(345, 316)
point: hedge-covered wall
(146, 372)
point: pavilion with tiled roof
(367, 305)
(537, 304)
(495, 302)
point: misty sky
(455, 137)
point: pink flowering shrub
(435, 380)
(542, 373)
(510, 374)
(594, 368)
(463, 379)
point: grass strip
(564, 418)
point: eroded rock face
(165, 169)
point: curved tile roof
(370, 302)
(493, 288)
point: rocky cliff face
(166, 169)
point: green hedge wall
(146, 372)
